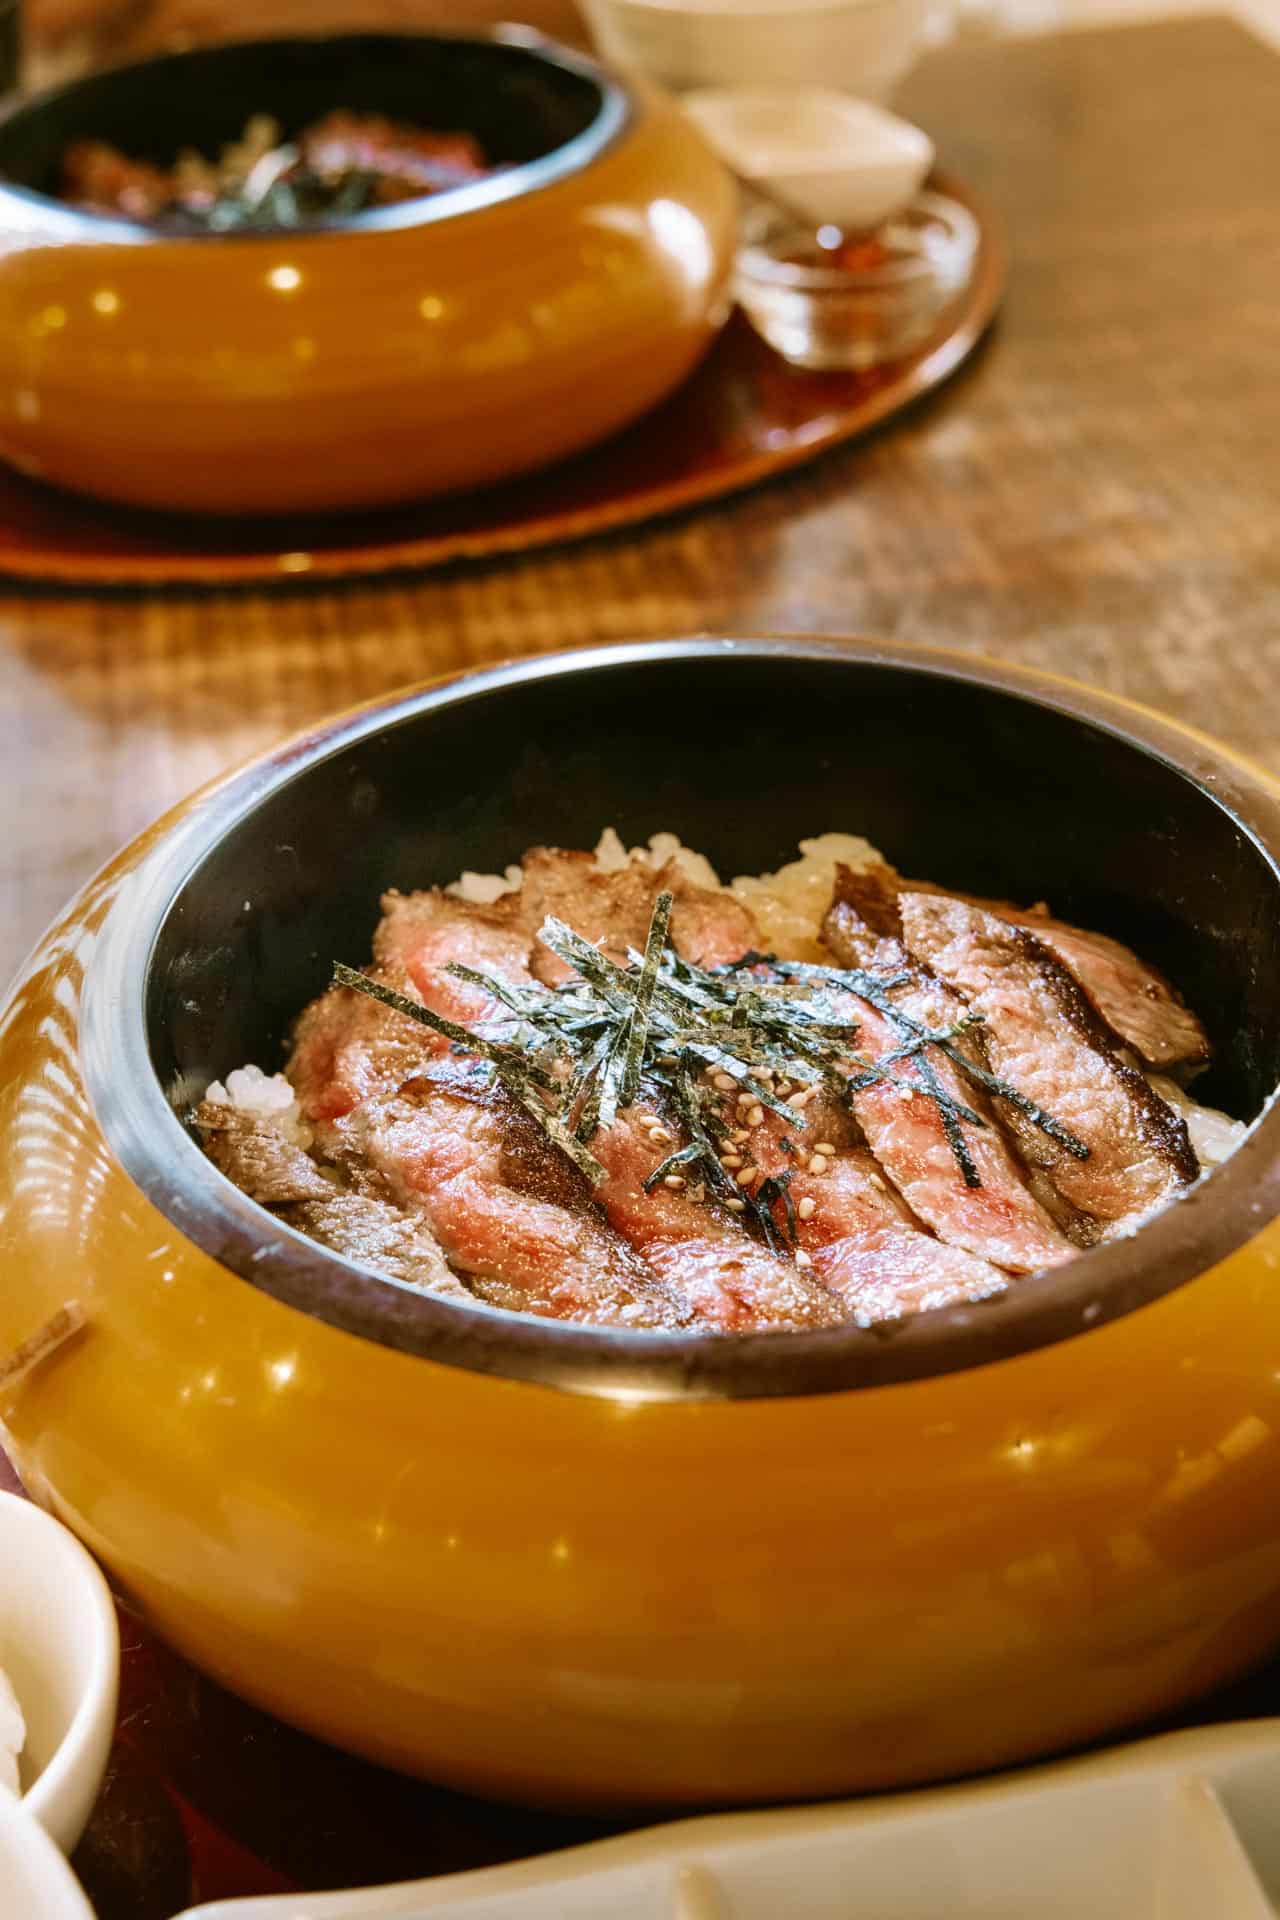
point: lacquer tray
(743, 417)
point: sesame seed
(748, 1176)
(876, 1181)
(802, 1258)
(825, 1146)
(746, 1100)
(675, 1181)
(817, 1163)
(722, 1081)
(738, 1135)
(698, 1193)
(731, 1160)
(661, 1136)
(808, 1207)
(908, 1093)
(755, 1116)
(797, 1099)
(736, 1206)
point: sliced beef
(261, 1160)
(870, 896)
(864, 1244)
(999, 1219)
(1134, 1001)
(1045, 1040)
(733, 1283)
(613, 910)
(395, 1240)
(506, 1207)
(882, 1274)
(359, 1223)
(422, 934)
(402, 161)
(347, 1047)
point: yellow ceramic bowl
(413, 350)
(574, 1565)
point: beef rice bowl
(644, 1555)
(606, 1088)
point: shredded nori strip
(647, 980)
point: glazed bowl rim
(150, 1142)
(619, 107)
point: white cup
(864, 47)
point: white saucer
(1178, 1828)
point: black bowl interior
(521, 102)
(958, 782)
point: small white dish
(1178, 1828)
(35, 1881)
(60, 1647)
(835, 160)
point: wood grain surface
(1098, 493)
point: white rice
(13, 1734)
(788, 905)
(269, 1096)
(482, 889)
(1214, 1135)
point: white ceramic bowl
(864, 47)
(35, 1881)
(825, 155)
(60, 1646)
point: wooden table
(1098, 494)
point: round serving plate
(744, 416)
